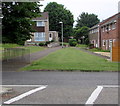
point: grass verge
(98, 50)
(72, 59)
(8, 51)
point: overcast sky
(102, 8)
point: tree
(82, 34)
(88, 20)
(17, 21)
(58, 13)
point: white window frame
(39, 36)
(103, 42)
(109, 27)
(106, 28)
(110, 40)
(113, 26)
(40, 23)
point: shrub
(52, 40)
(47, 42)
(41, 44)
(91, 46)
(72, 42)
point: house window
(110, 40)
(106, 28)
(39, 36)
(109, 27)
(103, 29)
(40, 23)
(103, 42)
(113, 26)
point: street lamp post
(62, 31)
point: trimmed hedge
(72, 42)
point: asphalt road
(63, 87)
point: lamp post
(62, 31)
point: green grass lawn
(72, 59)
(82, 46)
(34, 48)
(17, 50)
(31, 48)
(9, 45)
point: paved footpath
(14, 64)
(41, 54)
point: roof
(44, 16)
(109, 20)
(95, 26)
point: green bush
(47, 42)
(41, 44)
(91, 46)
(72, 42)
(52, 40)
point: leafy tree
(17, 23)
(58, 13)
(82, 33)
(88, 20)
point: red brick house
(42, 33)
(106, 35)
(109, 31)
(105, 32)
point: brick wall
(111, 34)
(39, 29)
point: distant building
(106, 35)
(94, 36)
(105, 32)
(109, 31)
(42, 33)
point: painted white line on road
(97, 91)
(25, 94)
(94, 95)
(110, 86)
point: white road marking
(97, 91)
(94, 95)
(110, 86)
(25, 94)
